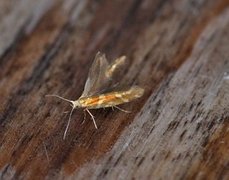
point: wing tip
(137, 90)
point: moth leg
(123, 110)
(92, 117)
(112, 107)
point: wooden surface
(177, 50)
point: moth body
(110, 99)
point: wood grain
(177, 51)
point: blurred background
(176, 50)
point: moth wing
(113, 67)
(114, 73)
(101, 75)
(96, 75)
(124, 96)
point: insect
(95, 95)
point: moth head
(75, 104)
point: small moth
(95, 94)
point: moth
(96, 95)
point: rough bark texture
(178, 51)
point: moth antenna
(69, 120)
(53, 95)
(70, 115)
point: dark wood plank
(177, 51)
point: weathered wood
(177, 50)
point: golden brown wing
(112, 98)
